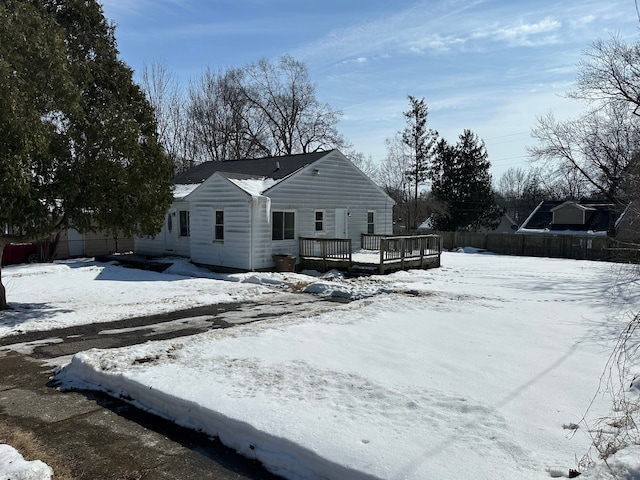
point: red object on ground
(22, 253)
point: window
(169, 223)
(184, 223)
(218, 227)
(371, 226)
(319, 221)
(283, 226)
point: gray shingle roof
(272, 167)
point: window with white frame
(218, 226)
(371, 224)
(283, 226)
(319, 221)
(184, 223)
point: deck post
(350, 253)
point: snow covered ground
(474, 370)
(13, 466)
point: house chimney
(277, 165)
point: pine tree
(461, 180)
(420, 142)
(79, 145)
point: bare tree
(520, 190)
(364, 163)
(168, 101)
(283, 95)
(261, 109)
(599, 147)
(223, 125)
(393, 177)
(610, 71)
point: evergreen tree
(79, 145)
(461, 180)
(420, 142)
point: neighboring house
(573, 218)
(507, 225)
(238, 214)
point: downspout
(252, 208)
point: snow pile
(13, 466)
(623, 465)
(473, 370)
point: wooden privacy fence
(579, 247)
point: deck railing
(395, 252)
(371, 241)
(326, 248)
(403, 248)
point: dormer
(571, 213)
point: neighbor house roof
(597, 218)
(276, 168)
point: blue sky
(491, 66)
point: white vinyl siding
(218, 194)
(180, 245)
(338, 185)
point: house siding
(338, 184)
(167, 242)
(218, 193)
(569, 215)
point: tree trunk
(3, 292)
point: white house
(237, 214)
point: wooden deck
(380, 253)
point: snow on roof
(254, 186)
(181, 191)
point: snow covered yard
(473, 370)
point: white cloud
(538, 33)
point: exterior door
(342, 227)
(169, 229)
